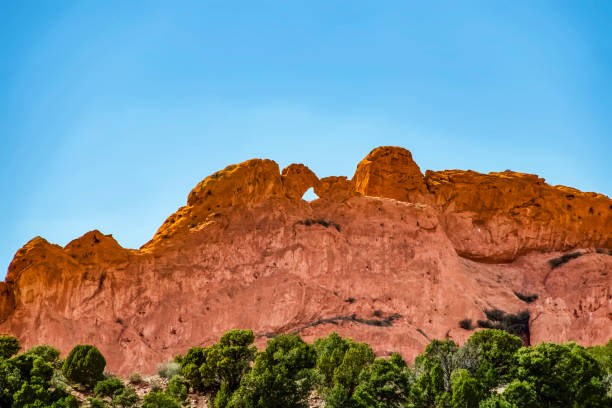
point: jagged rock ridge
(390, 257)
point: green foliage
(84, 364)
(339, 363)
(126, 398)
(280, 377)
(386, 383)
(467, 392)
(66, 402)
(222, 398)
(41, 372)
(330, 352)
(190, 367)
(159, 399)
(9, 346)
(49, 354)
(495, 401)
(563, 375)
(521, 394)
(177, 388)
(10, 382)
(96, 403)
(496, 350)
(207, 369)
(429, 388)
(168, 370)
(603, 355)
(30, 394)
(439, 353)
(109, 387)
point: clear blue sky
(111, 111)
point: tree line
(491, 370)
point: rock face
(390, 257)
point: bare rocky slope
(390, 257)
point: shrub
(49, 354)
(9, 346)
(96, 403)
(155, 384)
(177, 388)
(526, 298)
(280, 377)
(158, 399)
(169, 369)
(563, 375)
(126, 398)
(84, 364)
(516, 324)
(384, 383)
(497, 352)
(109, 387)
(466, 390)
(207, 369)
(135, 378)
(466, 324)
(556, 262)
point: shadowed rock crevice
(336, 320)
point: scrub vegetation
(492, 369)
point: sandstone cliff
(390, 257)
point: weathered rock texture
(390, 257)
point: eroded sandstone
(390, 257)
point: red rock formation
(391, 257)
(497, 216)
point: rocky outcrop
(390, 172)
(496, 217)
(390, 257)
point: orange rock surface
(390, 257)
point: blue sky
(111, 111)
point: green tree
(41, 372)
(84, 364)
(126, 398)
(280, 377)
(177, 388)
(429, 388)
(10, 382)
(49, 354)
(467, 392)
(497, 351)
(207, 369)
(30, 395)
(440, 353)
(386, 383)
(158, 399)
(330, 352)
(66, 402)
(96, 403)
(9, 346)
(563, 375)
(190, 367)
(520, 394)
(495, 401)
(339, 363)
(227, 361)
(603, 355)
